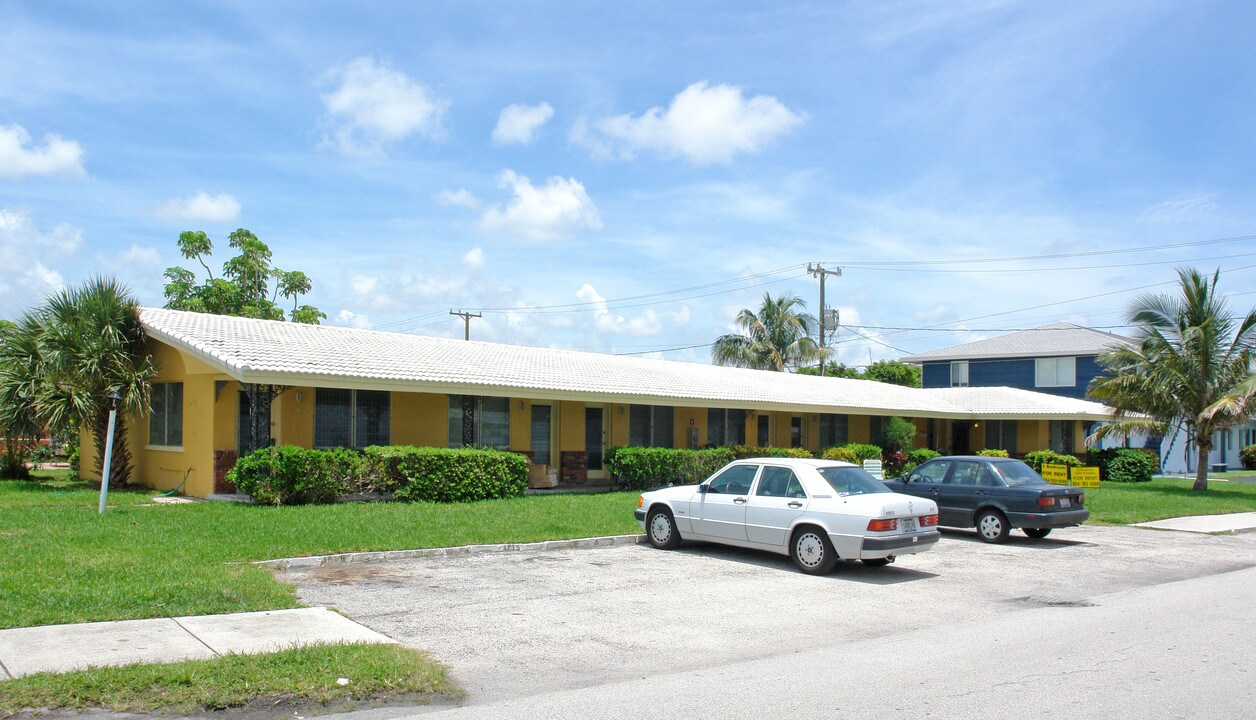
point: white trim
(165, 448)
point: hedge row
(291, 475)
(1247, 456)
(1125, 465)
(640, 468)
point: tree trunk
(1201, 472)
(120, 463)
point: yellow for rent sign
(1086, 477)
(1055, 474)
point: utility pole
(819, 271)
(466, 318)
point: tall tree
(1191, 367)
(777, 337)
(61, 364)
(244, 289)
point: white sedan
(815, 511)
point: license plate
(908, 525)
(1065, 502)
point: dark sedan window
(1015, 472)
(851, 481)
(931, 472)
(966, 473)
(734, 481)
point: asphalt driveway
(511, 625)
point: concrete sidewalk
(1212, 524)
(61, 648)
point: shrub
(864, 451)
(1131, 466)
(426, 474)
(893, 462)
(13, 466)
(41, 454)
(291, 475)
(1038, 458)
(72, 454)
(840, 453)
(898, 434)
(642, 467)
(1247, 456)
(749, 451)
(993, 452)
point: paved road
(547, 631)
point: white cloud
(474, 258)
(649, 322)
(938, 313)
(704, 124)
(352, 319)
(519, 123)
(364, 284)
(201, 207)
(55, 157)
(461, 197)
(375, 105)
(1182, 209)
(24, 278)
(559, 209)
(134, 257)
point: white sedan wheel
(812, 552)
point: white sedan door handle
(740, 500)
(795, 504)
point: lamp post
(114, 398)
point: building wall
(1011, 372)
(422, 419)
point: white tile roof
(267, 351)
(1056, 340)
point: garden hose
(178, 487)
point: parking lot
(511, 625)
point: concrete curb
(457, 551)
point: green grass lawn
(299, 678)
(1122, 503)
(63, 563)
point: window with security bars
(489, 424)
(726, 427)
(834, 429)
(165, 423)
(650, 425)
(1001, 435)
(351, 418)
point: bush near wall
(1247, 456)
(444, 475)
(1038, 458)
(752, 451)
(993, 452)
(292, 475)
(640, 468)
(843, 454)
(864, 451)
(1125, 464)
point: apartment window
(351, 418)
(165, 424)
(650, 425)
(833, 430)
(726, 427)
(1001, 435)
(1055, 372)
(1061, 436)
(959, 373)
(489, 426)
(542, 427)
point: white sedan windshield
(851, 481)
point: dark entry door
(959, 437)
(593, 437)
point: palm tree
(777, 337)
(1191, 367)
(69, 355)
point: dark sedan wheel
(1038, 533)
(812, 552)
(992, 526)
(661, 530)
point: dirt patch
(353, 573)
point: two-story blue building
(1059, 359)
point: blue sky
(626, 177)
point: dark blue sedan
(993, 495)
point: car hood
(675, 492)
(880, 504)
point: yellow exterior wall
(571, 426)
(811, 433)
(521, 425)
(858, 429)
(617, 433)
(292, 417)
(685, 418)
(420, 419)
(226, 417)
